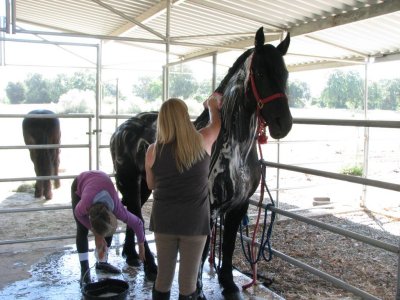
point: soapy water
(56, 276)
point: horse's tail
(43, 131)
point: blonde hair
(103, 221)
(174, 127)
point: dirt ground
(363, 266)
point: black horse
(253, 97)
(43, 131)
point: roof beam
(227, 10)
(155, 11)
(363, 13)
(360, 14)
(239, 45)
(132, 20)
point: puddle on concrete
(57, 275)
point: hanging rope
(213, 243)
(252, 255)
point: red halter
(261, 134)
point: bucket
(109, 288)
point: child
(96, 207)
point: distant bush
(26, 188)
(354, 170)
(77, 101)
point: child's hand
(101, 246)
(142, 255)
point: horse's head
(267, 83)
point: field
(325, 148)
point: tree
(354, 90)
(109, 89)
(343, 90)
(59, 86)
(299, 93)
(182, 84)
(374, 95)
(15, 92)
(148, 88)
(82, 81)
(37, 89)
(391, 94)
(203, 90)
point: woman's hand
(141, 252)
(214, 101)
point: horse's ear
(284, 45)
(259, 41)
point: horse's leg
(48, 194)
(130, 198)
(55, 158)
(204, 256)
(45, 169)
(38, 189)
(56, 165)
(39, 183)
(134, 199)
(231, 226)
(150, 267)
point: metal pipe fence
(352, 179)
(50, 146)
(336, 176)
(334, 229)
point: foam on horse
(43, 131)
(253, 97)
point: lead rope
(252, 256)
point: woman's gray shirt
(181, 205)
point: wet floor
(56, 276)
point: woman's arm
(210, 133)
(150, 157)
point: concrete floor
(56, 276)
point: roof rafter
(155, 11)
(131, 20)
(351, 16)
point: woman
(177, 167)
(96, 207)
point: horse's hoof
(133, 261)
(201, 295)
(150, 272)
(232, 295)
(231, 292)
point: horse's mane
(202, 120)
(233, 106)
(232, 70)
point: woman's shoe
(156, 295)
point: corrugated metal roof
(323, 31)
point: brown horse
(43, 131)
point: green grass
(354, 170)
(26, 188)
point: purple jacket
(90, 184)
